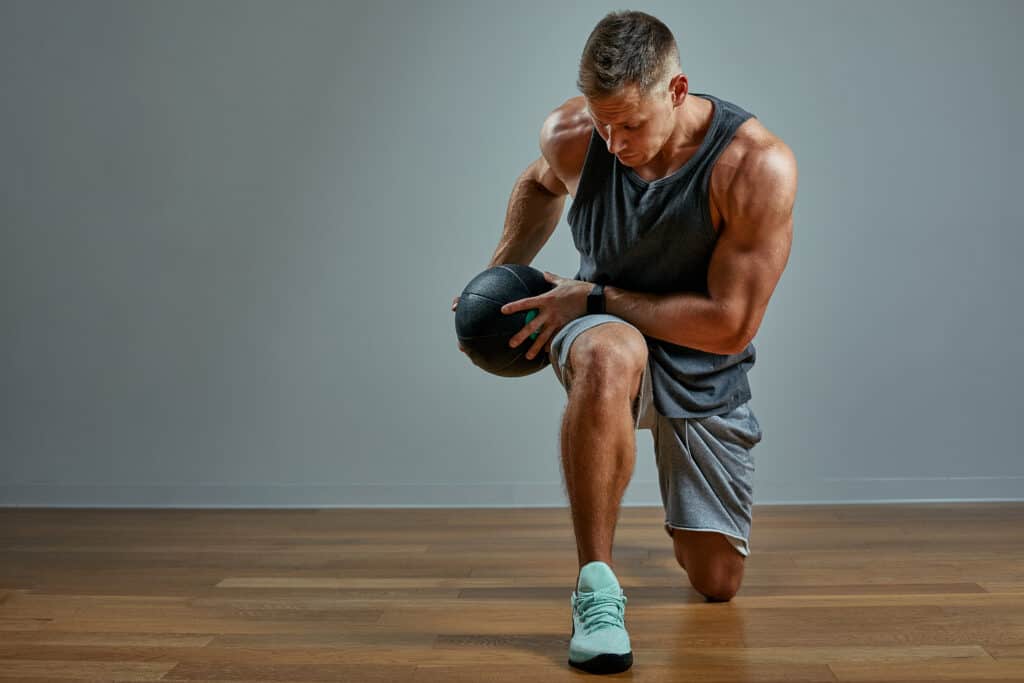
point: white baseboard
(823, 491)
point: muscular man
(682, 214)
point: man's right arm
(538, 198)
(534, 208)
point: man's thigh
(705, 471)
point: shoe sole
(605, 664)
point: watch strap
(595, 300)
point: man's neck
(692, 122)
(693, 119)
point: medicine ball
(484, 331)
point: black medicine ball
(484, 331)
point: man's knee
(714, 567)
(609, 355)
(720, 587)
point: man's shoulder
(565, 137)
(753, 139)
(752, 149)
(569, 121)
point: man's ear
(680, 87)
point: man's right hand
(455, 304)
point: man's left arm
(751, 252)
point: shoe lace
(600, 609)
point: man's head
(630, 76)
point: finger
(513, 306)
(528, 329)
(540, 343)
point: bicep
(744, 272)
(754, 245)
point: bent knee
(717, 587)
(718, 591)
(716, 576)
(609, 353)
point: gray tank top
(658, 237)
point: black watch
(595, 300)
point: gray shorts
(705, 467)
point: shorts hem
(743, 549)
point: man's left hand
(566, 301)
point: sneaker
(599, 643)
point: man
(682, 214)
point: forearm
(532, 215)
(683, 318)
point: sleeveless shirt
(657, 237)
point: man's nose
(614, 143)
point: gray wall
(231, 233)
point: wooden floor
(831, 593)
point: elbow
(732, 349)
(740, 323)
(740, 338)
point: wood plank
(357, 582)
(105, 639)
(948, 669)
(241, 669)
(1006, 651)
(19, 669)
(22, 624)
(682, 670)
(640, 593)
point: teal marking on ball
(530, 315)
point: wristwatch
(595, 300)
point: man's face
(634, 128)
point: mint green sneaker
(599, 643)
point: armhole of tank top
(581, 187)
(705, 201)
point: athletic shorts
(705, 467)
